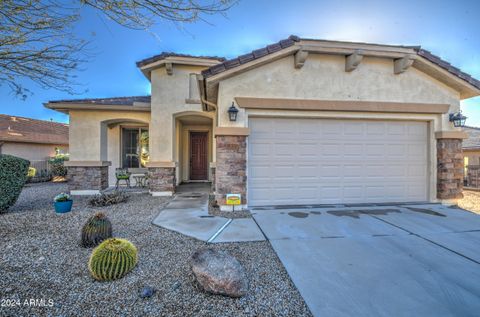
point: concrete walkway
(187, 214)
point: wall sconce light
(232, 112)
(458, 119)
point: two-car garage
(300, 161)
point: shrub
(13, 174)
(112, 259)
(62, 197)
(108, 199)
(32, 171)
(57, 165)
(96, 229)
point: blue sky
(449, 29)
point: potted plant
(63, 203)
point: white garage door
(322, 161)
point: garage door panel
(317, 161)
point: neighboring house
(319, 122)
(32, 139)
(471, 146)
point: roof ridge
(33, 119)
(98, 99)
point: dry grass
(470, 201)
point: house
(471, 157)
(318, 122)
(32, 139)
(471, 146)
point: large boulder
(218, 272)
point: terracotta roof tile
(235, 62)
(20, 129)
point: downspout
(202, 88)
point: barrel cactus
(112, 259)
(97, 229)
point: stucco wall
(169, 95)
(473, 156)
(323, 77)
(31, 151)
(86, 140)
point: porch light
(458, 119)
(232, 112)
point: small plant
(13, 175)
(97, 229)
(32, 171)
(62, 197)
(112, 259)
(57, 165)
(108, 199)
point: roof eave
(66, 107)
(178, 60)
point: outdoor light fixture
(458, 119)
(232, 112)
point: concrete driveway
(409, 260)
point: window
(135, 152)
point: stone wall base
(87, 180)
(231, 168)
(450, 169)
(161, 181)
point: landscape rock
(218, 272)
(147, 292)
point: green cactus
(95, 230)
(112, 259)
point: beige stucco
(473, 156)
(323, 77)
(32, 151)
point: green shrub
(112, 259)
(32, 171)
(13, 175)
(57, 165)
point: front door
(198, 155)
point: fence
(472, 176)
(43, 171)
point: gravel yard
(470, 201)
(41, 259)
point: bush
(108, 199)
(112, 259)
(57, 165)
(13, 175)
(32, 171)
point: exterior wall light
(458, 119)
(232, 112)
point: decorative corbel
(353, 60)
(169, 68)
(402, 64)
(300, 58)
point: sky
(449, 29)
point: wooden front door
(198, 155)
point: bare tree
(37, 41)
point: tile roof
(163, 55)
(20, 129)
(237, 61)
(290, 41)
(473, 141)
(120, 101)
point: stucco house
(318, 122)
(32, 139)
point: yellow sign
(234, 199)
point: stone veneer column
(450, 168)
(231, 167)
(161, 178)
(88, 177)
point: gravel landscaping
(470, 201)
(41, 259)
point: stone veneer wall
(450, 169)
(161, 179)
(231, 167)
(87, 177)
(213, 179)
